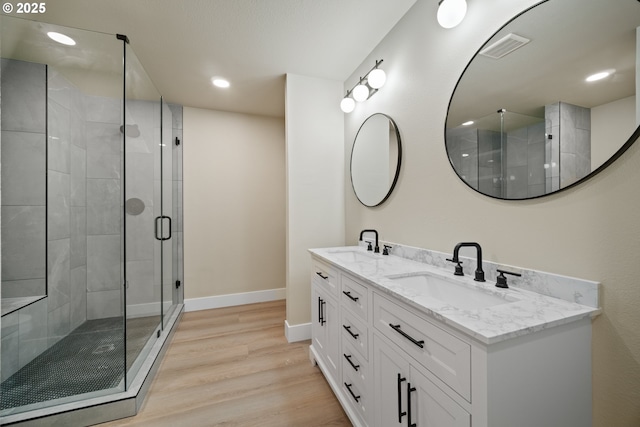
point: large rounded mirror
(375, 159)
(548, 101)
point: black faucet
(479, 272)
(377, 248)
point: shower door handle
(158, 230)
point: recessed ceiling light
(220, 82)
(599, 76)
(61, 38)
(469, 123)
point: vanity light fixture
(61, 38)
(365, 88)
(451, 12)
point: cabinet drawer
(355, 332)
(356, 365)
(355, 297)
(325, 276)
(358, 395)
(445, 355)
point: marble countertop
(523, 312)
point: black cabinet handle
(352, 298)
(319, 273)
(407, 336)
(321, 318)
(400, 413)
(409, 391)
(351, 363)
(348, 329)
(357, 398)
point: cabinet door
(325, 332)
(391, 375)
(430, 406)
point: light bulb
(347, 104)
(451, 12)
(376, 78)
(360, 93)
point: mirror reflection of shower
(511, 155)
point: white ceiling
(252, 43)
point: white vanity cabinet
(391, 363)
(325, 316)
(404, 396)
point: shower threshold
(105, 399)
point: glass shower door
(142, 124)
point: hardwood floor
(233, 367)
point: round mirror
(375, 159)
(548, 101)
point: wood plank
(233, 367)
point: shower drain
(104, 348)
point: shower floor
(88, 359)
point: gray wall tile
(78, 236)
(104, 263)
(78, 308)
(23, 169)
(23, 288)
(104, 206)
(58, 137)
(59, 202)
(23, 242)
(78, 178)
(23, 96)
(104, 304)
(104, 151)
(59, 280)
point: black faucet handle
(369, 246)
(458, 270)
(385, 251)
(501, 280)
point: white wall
(315, 182)
(234, 203)
(591, 231)
(611, 126)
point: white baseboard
(218, 301)
(296, 333)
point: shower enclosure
(509, 155)
(91, 238)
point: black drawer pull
(319, 273)
(352, 298)
(407, 336)
(357, 398)
(351, 363)
(348, 329)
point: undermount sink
(457, 295)
(351, 256)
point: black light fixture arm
(362, 79)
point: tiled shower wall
(23, 178)
(525, 159)
(570, 127)
(24, 332)
(66, 207)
